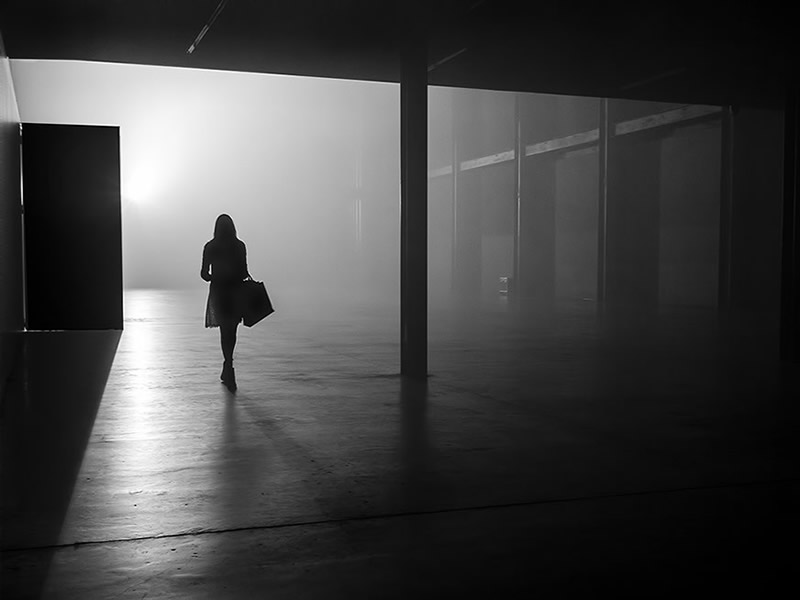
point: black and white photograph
(403, 299)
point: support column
(790, 276)
(414, 208)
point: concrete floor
(554, 454)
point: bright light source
(139, 188)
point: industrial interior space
(536, 278)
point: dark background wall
(537, 262)
(11, 316)
(576, 224)
(559, 201)
(756, 219)
(632, 235)
(690, 216)
(664, 203)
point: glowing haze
(286, 157)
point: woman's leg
(227, 335)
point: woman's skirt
(223, 305)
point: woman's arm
(244, 257)
(205, 270)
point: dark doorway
(73, 240)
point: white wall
(277, 153)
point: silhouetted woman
(225, 266)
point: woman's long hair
(224, 229)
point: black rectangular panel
(73, 239)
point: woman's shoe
(231, 381)
(227, 369)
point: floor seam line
(566, 500)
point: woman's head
(224, 228)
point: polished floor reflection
(548, 452)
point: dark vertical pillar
(414, 208)
(790, 276)
(725, 206)
(602, 198)
(519, 153)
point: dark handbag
(254, 302)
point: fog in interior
(307, 168)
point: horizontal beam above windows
(448, 170)
(578, 139)
(670, 117)
(485, 161)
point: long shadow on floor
(48, 412)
